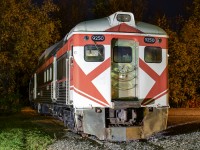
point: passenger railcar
(107, 77)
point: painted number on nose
(98, 37)
(149, 40)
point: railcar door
(61, 93)
(69, 77)
(124, 69)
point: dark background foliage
(29, 27)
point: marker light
(123, 18)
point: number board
(149, 40)
(98, 37)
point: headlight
(123, 18)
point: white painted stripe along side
(83, 101)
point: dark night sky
(170, 8)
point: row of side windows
(45, 76)
(48, 74)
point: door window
(122, 54)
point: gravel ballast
(178, 137)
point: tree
(190, 36)
(184, 62)
(26, 31)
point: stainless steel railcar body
(107, 77)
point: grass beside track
(27, 131)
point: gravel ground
(177, 137)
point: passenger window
(44, 76)
(50, 75)
(47, 75)
(122, 54)
(153, 54)
(94, 53)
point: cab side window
(152, 54)
(94, 53)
